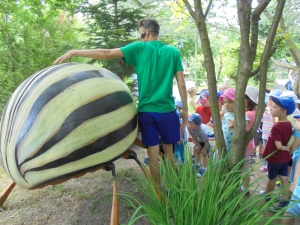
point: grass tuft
(213, 199)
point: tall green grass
(211, 200)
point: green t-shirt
(155, 64)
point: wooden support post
(114, 216)
(5, 193)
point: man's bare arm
(183, 96)
(94, 54)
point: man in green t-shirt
(156, 64)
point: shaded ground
(85, 200)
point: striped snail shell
(63, 121)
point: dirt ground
(82, 201)
(86, 200)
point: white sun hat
(291, 94)
(252, 93)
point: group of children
(272, 139)
(198, 128)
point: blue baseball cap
(179, 103)
(196, 119)
(287, 103)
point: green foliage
(180, 31)
(230, 55)
(184, 42)
(112, 24)
(213, 199)
(197, 64)
(32, 35)
(288, 31)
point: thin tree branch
(207, 8)
(187, 4)
(255, 24)
(220, 67)
(244, 10)
(283, 64)
(183, 12)
(271, 36)
(290, 44)
(275, 61)
(255, 72)
(223, 28)
(260, 8)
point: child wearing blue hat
(201, 142)
(277, 152)
(268, 121)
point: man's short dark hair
(150, 24)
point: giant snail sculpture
(65, 121)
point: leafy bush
(213, 199)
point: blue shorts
(277, 169)
(165, 125)
(203, 145)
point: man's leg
(169, 131)
(154, 165)
(168, 149)
(146, 159)
(150, 138)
